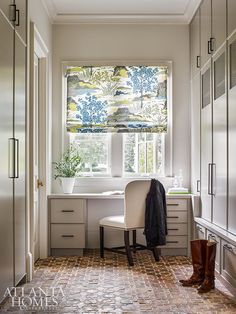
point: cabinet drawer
(68, 211)
(228, 262)
(200, 232)
(213, 237)
(176, 204)
(176, 216)
(67, 236)
(177, 229)
(176, 242)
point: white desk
(96, 206)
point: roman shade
(116, 99)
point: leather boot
(198, 251)
(209, 281)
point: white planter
(67, 185)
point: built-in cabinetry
(67, 226)
(217, 113)
(13, 17)
(74, 218)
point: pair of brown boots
(203, 259)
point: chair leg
(127, 248)
(134, 241)
(156, 254)
(101, 242)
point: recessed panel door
(205, 10)
(232, 136)
(195, 44)
(218, 23)
(6, 156)
(219, 168)
(206, 143)
(231, 16)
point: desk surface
(104, 196)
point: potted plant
(67, 168)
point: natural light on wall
(102, 100)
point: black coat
(155, 215)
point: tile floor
(92, 285)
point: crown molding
(75, 18)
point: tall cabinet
(13, 25)
(217, 112)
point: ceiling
(121, 11)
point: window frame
(116, 144)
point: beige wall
(128, 42)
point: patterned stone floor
(91, 285)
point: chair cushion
(113, 221)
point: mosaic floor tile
(92, 285)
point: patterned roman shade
(117, 99)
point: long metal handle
(198, 186)
(17, 20)
(229, 248)
(209, 179)
(213, 179)
(198, 62)
(12, 13)
(209, 47)
(67, 211)
(11, 159)
(173, 229)
(212, 44)
(16, 158)
(67, 236)
(176, 217)
(173, 204)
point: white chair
(133, 218)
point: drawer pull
(199, 229)
(229, 248)
(172, 241)
(212, 236)
(67, 211)
(173, 204)
(67, 236)
(173, 229)
(176, 217)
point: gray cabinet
(5, 7)
(205, 33)
(21, 18)
(232, 134)
(228, 262)
(218, 23)
(6, 135)
(206, 142)
(219, 166)
(19, 181)
(195, 44)
(12, 158)
(195, 134)
(231, 16)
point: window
(143, 153)
(94, 150)
(130, 103)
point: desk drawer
(176, 242)
(68, 210)
(177, 229)
(67, 236)
(176, 216)
(176, 204)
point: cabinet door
(231, 16)
(206, 142)
(6, 132)
(200, 232)
(195, 134)
(205, 10)
(19, 183)
(5, 7)
(218, 22)
(220, 140)
(214, 238)
(232, 135)
(195, 44)
(21, 18)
